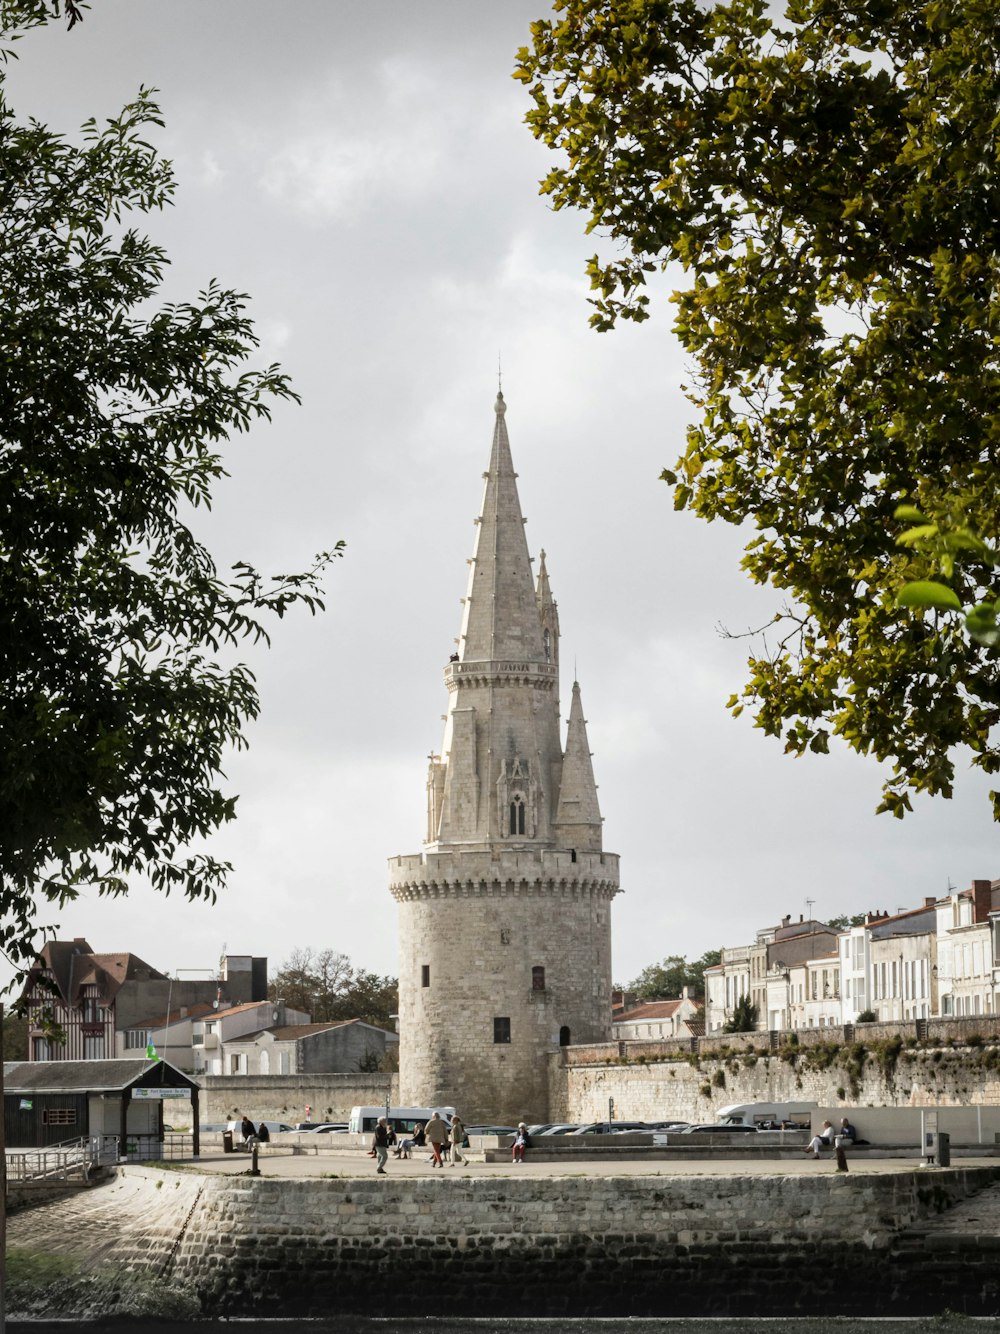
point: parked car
(563, 1128)
(326, 1128)
(613, 1128)
(719, 1130)
(492, 1130)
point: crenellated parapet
(533, 873)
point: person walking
(436, 1133)
(380, 1144)
(457, 1138)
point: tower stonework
(505, 930)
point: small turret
(578, 818)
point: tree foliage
(827, 178)
(327, 986)
(666, 980)
(745, 1017)
(120, 694)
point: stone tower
(505, 933)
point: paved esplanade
(355, 1163)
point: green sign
(160, 1093)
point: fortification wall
(659, 1081)
(627, 1245)
(285, 1097)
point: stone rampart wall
(285, 1097)
(627, 1245)
(650, 1085)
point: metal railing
(72, 1157)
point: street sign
(161, 1093)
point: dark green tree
(745, 1017)
(121, 693)
(666, 980)
(826, 178)
(326, 985)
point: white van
(767, 1115)
(402, 1119)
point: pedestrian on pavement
(436, 1133)
(457, 1138)
(380, 1145)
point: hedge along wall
(651, 1084)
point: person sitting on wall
(821, 1141)
(521, 1143)
(847, 1131)
(417, 1140)
(263, 1134)
(249, 1132)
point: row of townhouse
(83, 1005)
(942, 958)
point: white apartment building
(968, 924)
(208, 1035)
(725, 985)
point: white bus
(402, 1119)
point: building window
(58, 1116)
(89, 1012)
(564, 1036)
(425, 974)
(93, 1048)
(43, 1050)
(237, 1064)
(538, 978)
(501, 1030)
(138, 1037)
(517, 815)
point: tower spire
(501, 616)
(578, 818)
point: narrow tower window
(517, 815)
(538, 978)
(564, 1036)
(501, 1030)
(425, 975)
(547, 644)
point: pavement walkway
(355, 1163)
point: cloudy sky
(363, 171)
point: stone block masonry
(651, 1245)
(285, 1097)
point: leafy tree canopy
(827, 178)
(666, 980)
(115, 708)
(745, 1017)
(327, 986)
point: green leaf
(926, 593)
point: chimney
(930, 901)
(801, 918)
(982, 900)
(786, 920)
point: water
(940, 1324)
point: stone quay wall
(654, 1081)
(285, 1097)
(647, 1245)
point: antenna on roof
(809, 905)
